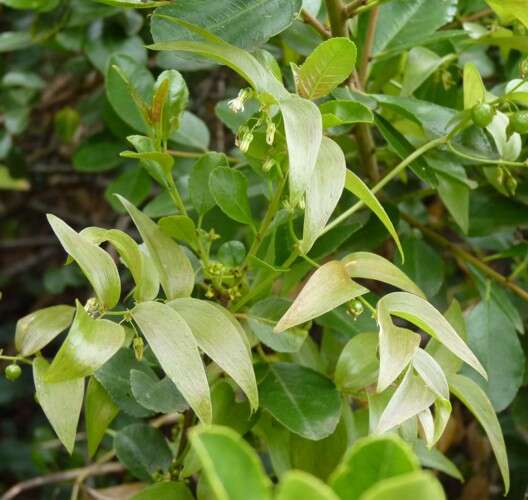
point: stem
(175, 196)
(383, 182)
(485, 160)
(16, 359)
(367, 47)
(314, 23)
(191, 154)
(467, 257)
(336, 17)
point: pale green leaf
(60, 402)
(431, 373)
(328, 287)
(215, 334)
(418, 485)
(421, 64)
(174, 268)
(474, 90)
(94, 262)
(510, 9)
(89, 345)
(173, 344)
(297, 485)
(326, 67)
(37, 329)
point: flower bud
(270, 133)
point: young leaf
(89, 345)
(174, 268)
(419, 484)
(327, 288)
(99, 411)
(219, 339)
(304, 132)
(60, 402)
(297, 484)
(326, 67)
(359, 189)
(323, 192)
(229, 190)
(477, 403)
(232, 467)
(362, 466)
(474, 90)
(371, 266)
(36, 330)
(168, 105)
(173, 344)
(95, 263)
(313, 414)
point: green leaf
(174, 268)
(304, 132)
(129, 86)
(371, 266)
(510, 9)
(477, 403)
(179, 227)
(474, 90)
(216, 335)
(422, 314)
(298, 484)
(326, 67)
(435, 459)
(158, 165)
(416, 485)
(323, 191)
(229, 190)
(95, 263)
(357, 366)
(160, 396)
(201, 196)
(359, 189)
(173, 344)
(228, 410)
(421, 64)
(369, 461)
(171, 89)
(37, 329)
(343, 112)
(263, 316)
(134, 184)
(138, 262)
(328, 287)
(313, 414)
(231, 466)
(97, 156)
(133, 4)
(89, 345)
(114, 376)
(231, 253)
(60, 402)
(164, 491)
(455, 196)
(99, 412)
(423, 265)
(192, 132)
(493, 339)
(142, 450)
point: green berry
(519, 122)
(12, 372)
(482, 114)
(355, 308)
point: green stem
(485, 160)
(175, 196)
(336, 17)
(383, 182)
(16, 359)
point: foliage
(315, 308)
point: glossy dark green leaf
(313, 414)
(97, 156)
(228, 411)
(192, 131)
(142, 450)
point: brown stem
(467, 257)
(367, 46)
(314, 23)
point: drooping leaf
(95, 263)
(99, 412)
(174, 268)
(477, 403)
(326, 67)
(173, 344)
(298, 484)
(60, 402)
(313, 414)
(89, 344)
(323, 191)
(327, 288)
(37, 329)
(232, 467)
(359, 189)
(215, 334)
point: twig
(61, 477)
(351, 8)
(367, 46)
(338, 21)
(472, 17)
(467, 257)
(314, 23)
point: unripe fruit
(482, 114)
(519, 122)
(355, 308)
(12, 372)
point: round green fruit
(519, 122)
(482, 114)
(12, 372)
